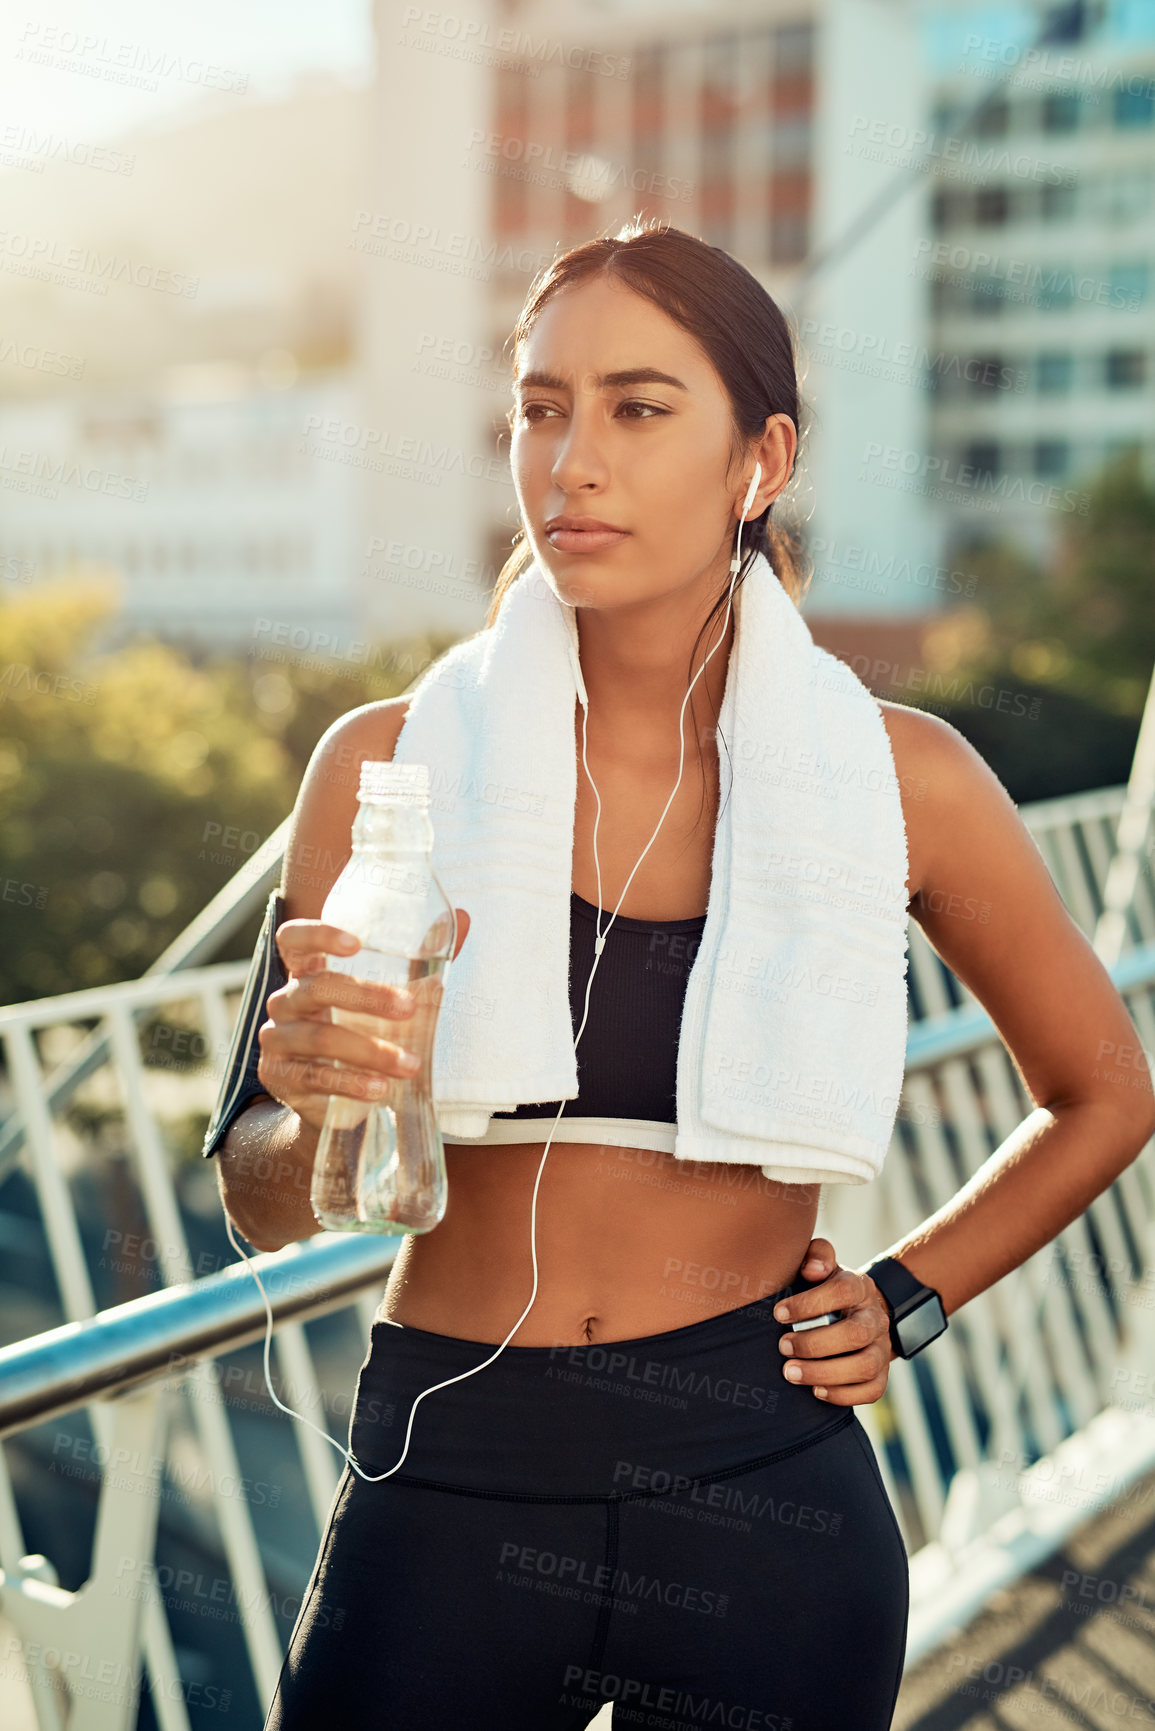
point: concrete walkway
(1072, 1644)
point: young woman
(727, 1555)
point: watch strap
(905, 1295)
(896, 1283)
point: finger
(860, 1328)
(819, 1260)
(304, 944)
(303, 1077)
(463, 923)
(852, 1394)
(834, 1372)
(314, 1079)
(842, 1290)
(328, 987)
(304, 1041)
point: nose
(580, 461)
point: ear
(775, 451)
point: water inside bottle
(380, 1163)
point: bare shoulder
(321, 828)
(988, 906)
(945, 784)
(918, 738)
(374, 725)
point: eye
(526, 412)
(650, 408)
(527, 415)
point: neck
(636, 666)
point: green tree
(135, 783)
(1085, 626)
(1047, 671)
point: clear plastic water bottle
(380, 1164)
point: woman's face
(648, 455)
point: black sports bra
(628, 1053)
(627, 1058)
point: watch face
(923, 1324)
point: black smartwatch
(916, 1313)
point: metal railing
(971, 1433)
(133, 1352)
(1025, 1368)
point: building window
(993, 118)
(1128, 284)
(1052, 457)
(789, 237)
(1134, 107)
(1057, 201)
(717, 98)
(982, 455)
(579, 138)
(1056, 290)
(1127, 195)
(985, 373)
(716, 154)
(1060, 111)
(943, 116)
(790, 141)
(793, 50)
(579, 108)
(649, 67)
(1125, 369)
(509, 198)
(1053, 373)
(992, 205)
(987, 295)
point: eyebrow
(604, 381)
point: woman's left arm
(989, 908)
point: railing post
(88, 1641)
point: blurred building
(214, 495)
(961, 238)
(508, 136)
(1040, 270)
(171, 364)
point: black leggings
(664, 1522)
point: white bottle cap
(399, 783)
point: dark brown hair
(742, 331)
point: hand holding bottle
(306, 1056)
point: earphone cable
(599, 946)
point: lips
(588, 537)
(572, 520)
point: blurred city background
(258, 268)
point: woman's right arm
(265, 1162)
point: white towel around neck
(793, 1034)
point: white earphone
(737, 559)
(599, 946)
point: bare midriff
(630, 1242)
